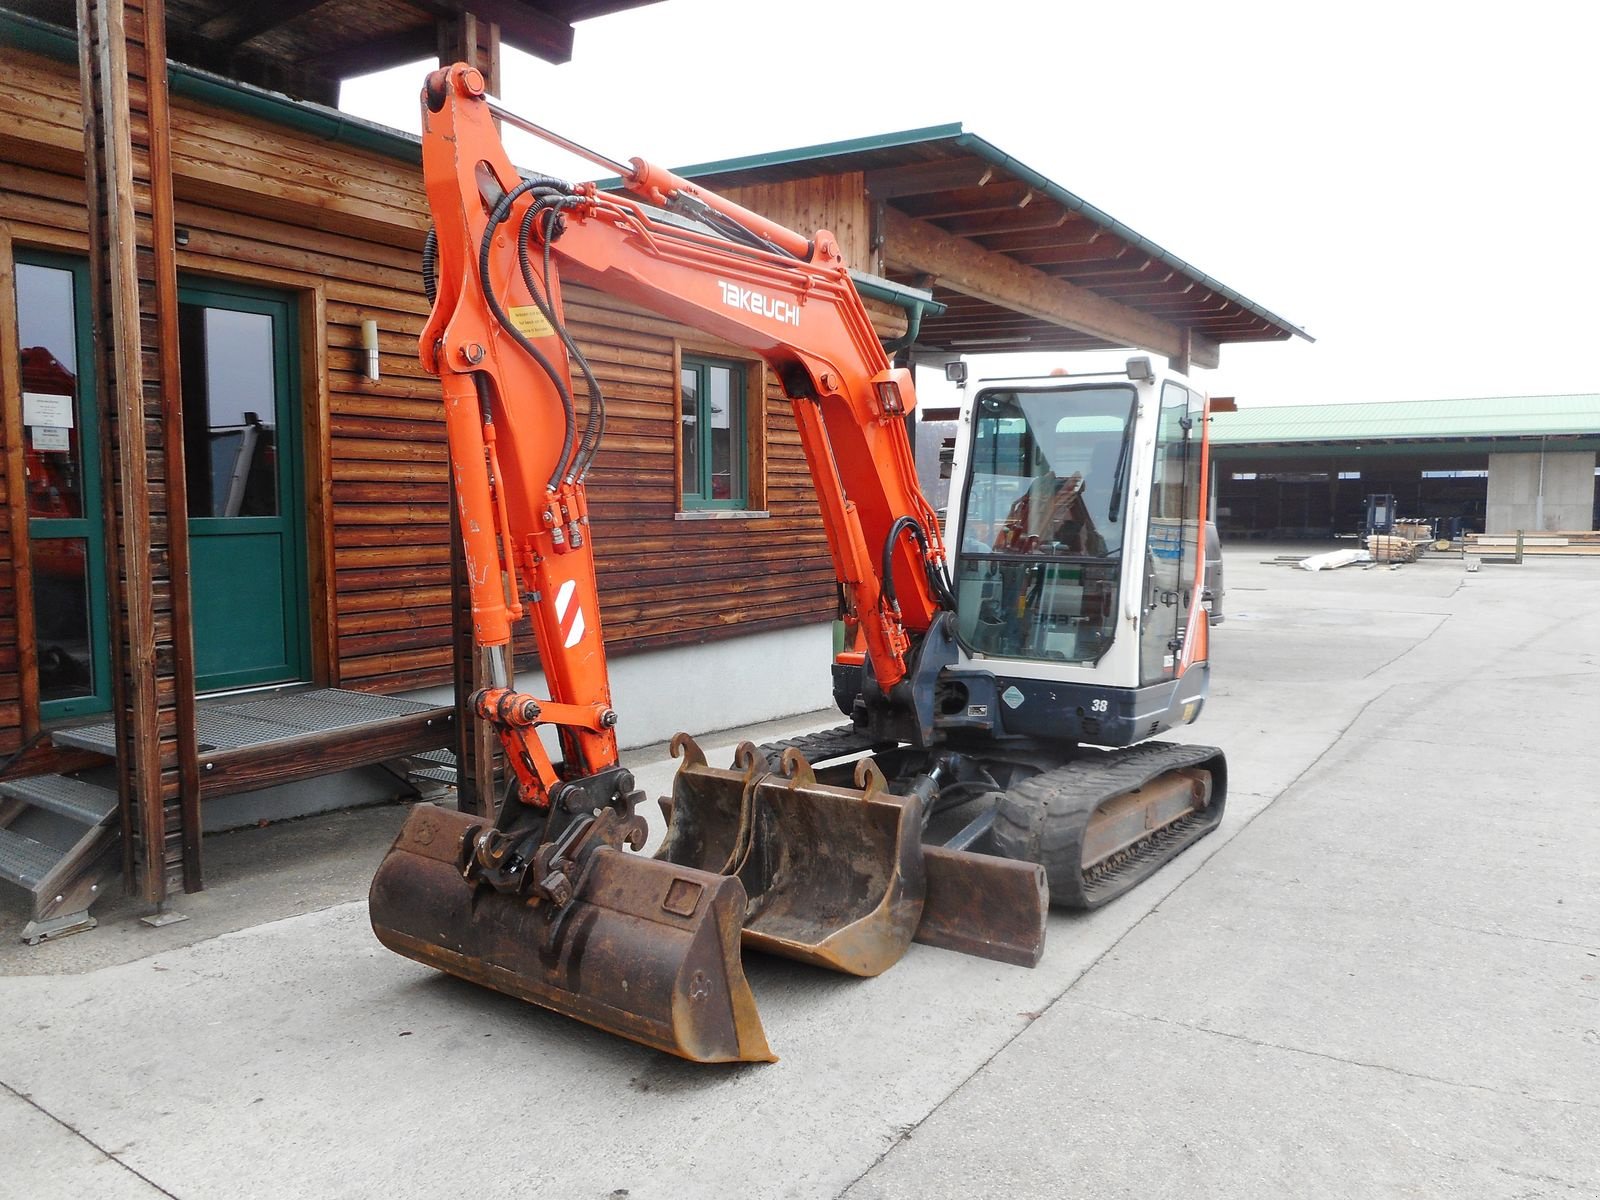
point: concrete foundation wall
(720, 685)
(694, 689)
(1523, 497)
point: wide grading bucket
(834, 875)
(646, 949)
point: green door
(61, 455)
(241, 435)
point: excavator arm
(519, 449)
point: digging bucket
(834, 875)
(646, 949)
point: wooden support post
(133, 268)
(467, 38)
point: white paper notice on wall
(48, 438)
(39, 408)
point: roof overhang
(950, 200)
(304, 47)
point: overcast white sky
(1415, 184)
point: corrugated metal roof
(1481, 417)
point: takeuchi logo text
(750, 301)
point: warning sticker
(1012, 696)
(530, 322)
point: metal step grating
(82, 802)
(288, 716)
(436, 775)
(24, 861)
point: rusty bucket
(645, 949)
(834, 875)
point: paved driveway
(1378, 979)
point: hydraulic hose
(594, 425)
(496, 218)
(938, 582)
(430, 265)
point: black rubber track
(1043, 819)
(821, 746)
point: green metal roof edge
(992, 153)
(1234, 452)
(1260, 426)
(329, 124)
(900, 294)
(799, 154)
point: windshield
(1042, 521)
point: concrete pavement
(1377, 979)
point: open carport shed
(1494, 464)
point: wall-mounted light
(369, 343)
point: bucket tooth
(646, 949)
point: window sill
(720, 514)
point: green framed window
(61, 453)
(713, 429)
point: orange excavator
(999, 700)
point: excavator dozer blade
(646, 949)
(978, 904)
(834, 875)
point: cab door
(1173, 545)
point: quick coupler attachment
(641, 948)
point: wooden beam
(316, 425)
(241, 23)
(228, 772)
(374, 54)
(114, 243)
(917, 179)
(961, 266)
(163, 308)
(466, 38)
(1059, 227)
(522, 24)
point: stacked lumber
(1390, 548)
(1580, 543)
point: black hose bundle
(938, 580)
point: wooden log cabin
(225, 541)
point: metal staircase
(58, 841)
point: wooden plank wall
(342, 229)
(834, 202)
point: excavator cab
(1076, 522)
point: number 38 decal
(1098, 706)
